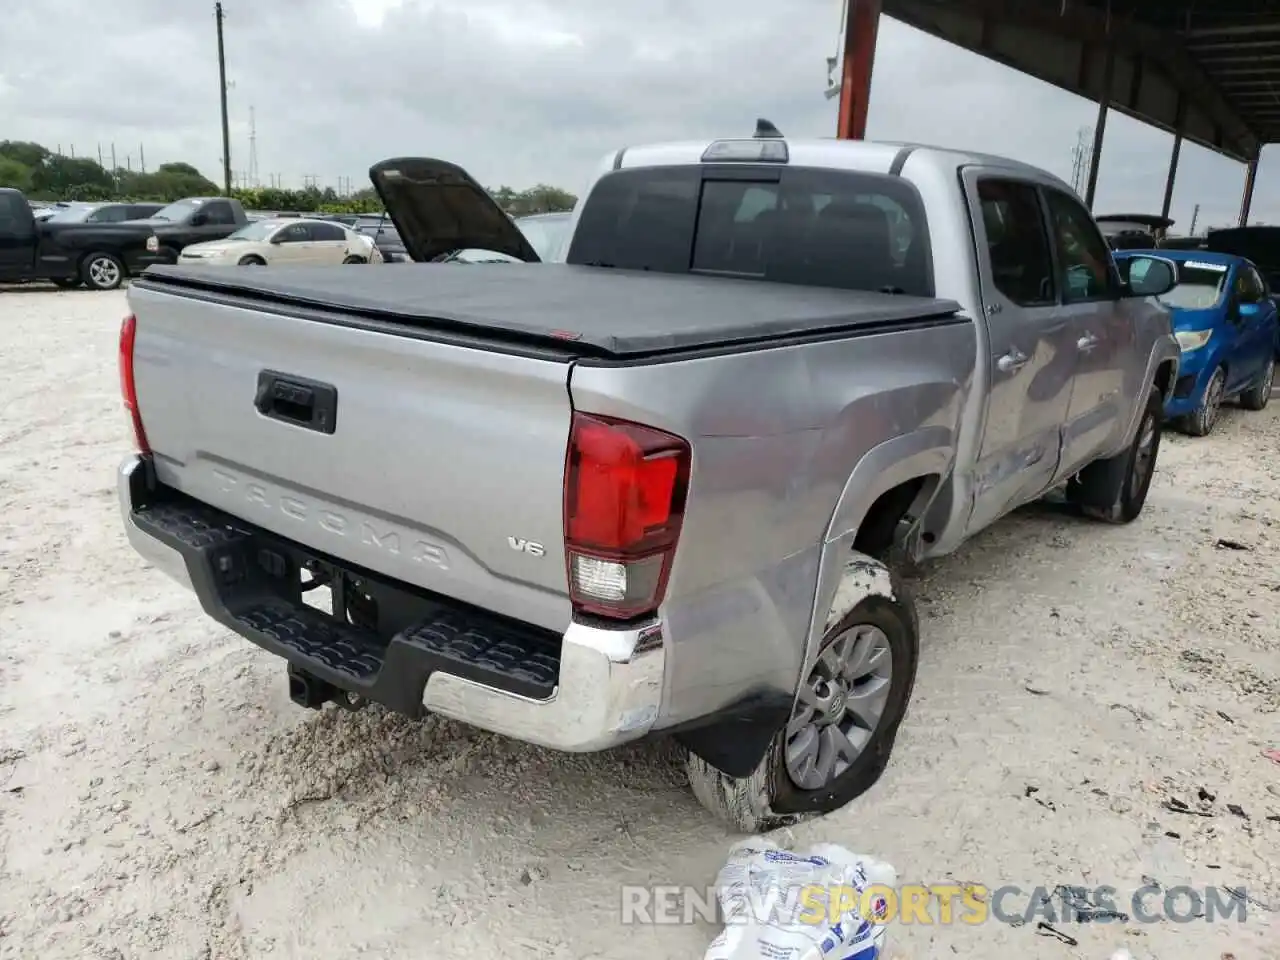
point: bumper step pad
(248, 580)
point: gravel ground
(161, 797)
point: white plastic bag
(802, 905)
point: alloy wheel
(839, 706)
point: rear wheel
(354, 260)
(252, 262)
(1115, 489)
(1202, 422)
(102, 271)
(1256, 397)
(845, 718)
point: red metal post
(1250, 176)
(861, 25)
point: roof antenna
(765, 130)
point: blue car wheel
(1202, 421)
(1256, 397)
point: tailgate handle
(304, 403)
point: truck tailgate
(443, 465)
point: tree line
(43, 174)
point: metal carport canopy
(1207, 71)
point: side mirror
(199, 219)
(277, 237)
(1148, 276)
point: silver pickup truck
(649, 490)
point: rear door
(1032, 355)
(328, 243)
(1101, 335)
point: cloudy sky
(530, 91)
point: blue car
(1226, 323)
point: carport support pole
(1173, 161)
(1100, 128)
(862, 22)
(1250, 176)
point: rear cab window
(802, 225)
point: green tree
(179, 169)
(46, 175)
(14, 174)
(30, 155)
(71, 178)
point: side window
(1249, 287)
(111, 214)
(10, 208)
(1017, 244)
(295, 233)
(327, 231)
(220, 213)
(1084, 257)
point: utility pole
(1080, 156)
(253, 148)
(1195, 215)
(114, 168)
(142, 159)
(99, 154)
(222, 91)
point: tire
(1256, 397)
(1202, 422)
(773, 796)
(102, 271)
(1115, 490)
(355, 260)
(67, 283)
(252, 262)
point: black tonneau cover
(590, 311)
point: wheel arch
(894, 480)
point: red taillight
(128, 390)
(624, 497)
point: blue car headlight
(1190, 340)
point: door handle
(1012, 362)
(1087, 342)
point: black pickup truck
(196, 220)
(99, 255)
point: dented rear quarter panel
(791, 446)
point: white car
(292, 241)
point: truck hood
(438, 209)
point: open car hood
(438, 209)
